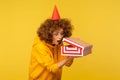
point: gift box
(75, 47)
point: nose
(60, 36)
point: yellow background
(95, 21)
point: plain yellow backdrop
(95, 21)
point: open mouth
(59, 41)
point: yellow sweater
(44, 59)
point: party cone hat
(55, 15)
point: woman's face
(57, 36)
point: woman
(46, 60)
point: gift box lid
(77, 42)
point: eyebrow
(58, 31)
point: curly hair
(49, 26)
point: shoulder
(39, 43)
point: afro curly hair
(49, 26)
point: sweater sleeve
(42, 55)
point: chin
(57, 43)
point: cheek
(54, 38)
